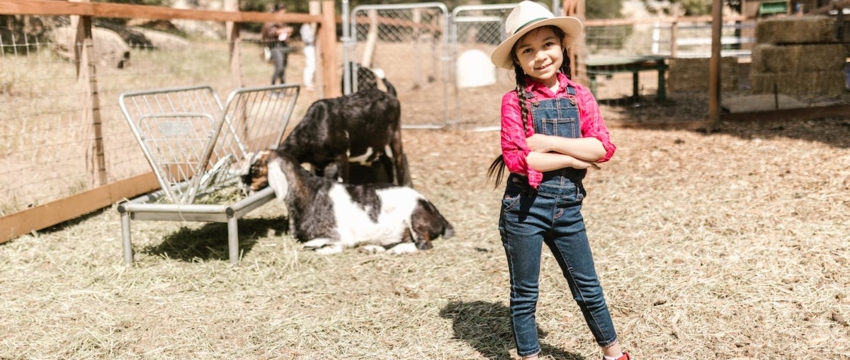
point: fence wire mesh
(46, 146)
(409, 43)
(476, 31)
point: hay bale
(820, 83)
(685, 74)
(798, 58)
(762, 102)
(795, 30)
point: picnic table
(608, 65)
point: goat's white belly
(355, 227)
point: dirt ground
(731, 244)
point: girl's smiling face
(540, 55)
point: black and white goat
(329, 216)
(362, 128)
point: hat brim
(501, 56)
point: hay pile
(798, 56)
(687, 74)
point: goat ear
(277, 180)
(379, 73)
(245, 166)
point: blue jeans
(550, 214)
(280, 54)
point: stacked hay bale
(690, 74)
(799, 55)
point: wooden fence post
(674, 37)
(327, 37)
(233, 43)
(87, 80)
(714, 65)
(578, 52)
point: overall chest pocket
(559, 126)
(558, 117)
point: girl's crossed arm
(588, 148)
(548, 161)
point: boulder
(109, 48)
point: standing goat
(329, 217)
(363, 128)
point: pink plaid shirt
(514, 147)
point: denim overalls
(550, 214)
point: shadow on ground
(486, 327)
(209, 242)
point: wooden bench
(608, 65)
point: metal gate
(477, 30)
(420, 49)
(410, 44)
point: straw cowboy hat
(527, 16)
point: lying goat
(362, 128)
(328, 216)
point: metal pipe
(125, 238)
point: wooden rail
(53, 7)
(74, 206)
(610, 22)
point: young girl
(552, 131)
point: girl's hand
(586, 165)
(539, 143)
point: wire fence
(42, 134)
(45, 145)
(46, 150)
(409, 43)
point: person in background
(308, 36)
(552, 131)
(275, 35)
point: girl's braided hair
(497, 167)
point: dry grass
(716, 246)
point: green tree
(604, 9)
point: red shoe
(625, 356)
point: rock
(109, 48)
(163, 40)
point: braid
(497, 168)
(565, 67)
(523, 100)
